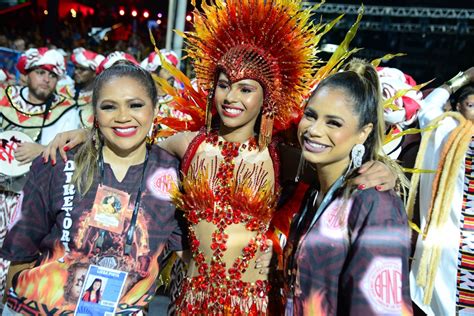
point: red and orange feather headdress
(271, 41)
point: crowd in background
(42, 102)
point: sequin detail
(219, 289)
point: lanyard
(136, 208)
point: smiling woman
(105, 210)
(124, 117)
(364, 234)
(238, 104)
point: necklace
(230, 147)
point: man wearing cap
(85, 65)
(37, 111)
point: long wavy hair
(90, 289)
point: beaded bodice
(228, 199)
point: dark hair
(360, 82)
(116, 202)
(124, 68)
(361, 85)
(97, 292)
(462, 94)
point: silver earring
(301, 166)
(357, 154)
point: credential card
(101, 292)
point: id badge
(108, 211)
(289, 306)
(101, 292)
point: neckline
(127, 173)
(131, 168)
(217, 140)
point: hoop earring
(301, 166)
(357, 153)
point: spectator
(37, 111)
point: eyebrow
(248, 85)
(333, 117)
(226, 81)
(126, 100)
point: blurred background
(436, 35)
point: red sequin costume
(229, 200)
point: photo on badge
(108, 211)
(101, 292)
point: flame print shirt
(353, 260)
(54, 230)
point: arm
(63, 142)
(14, 269)
(371, 174)
(432, 105)
(178, 143)
(375, 276)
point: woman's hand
(63, 142)
(375, 174)
(263, 263)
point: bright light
(45, 12)
(134, 13)
(146, 14)
(160, 15)
(188, 18)
(158, 21)
(122, 12)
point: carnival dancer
(256, 80)
(63, 240)
(85, 65)
(441, 273)
(344, 241)
(37, 111)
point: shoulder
(7, 93)
(378, 206)
(374, 196)
(162, 157)
(45, 173)
(178, 143)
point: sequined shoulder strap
(191, 150)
